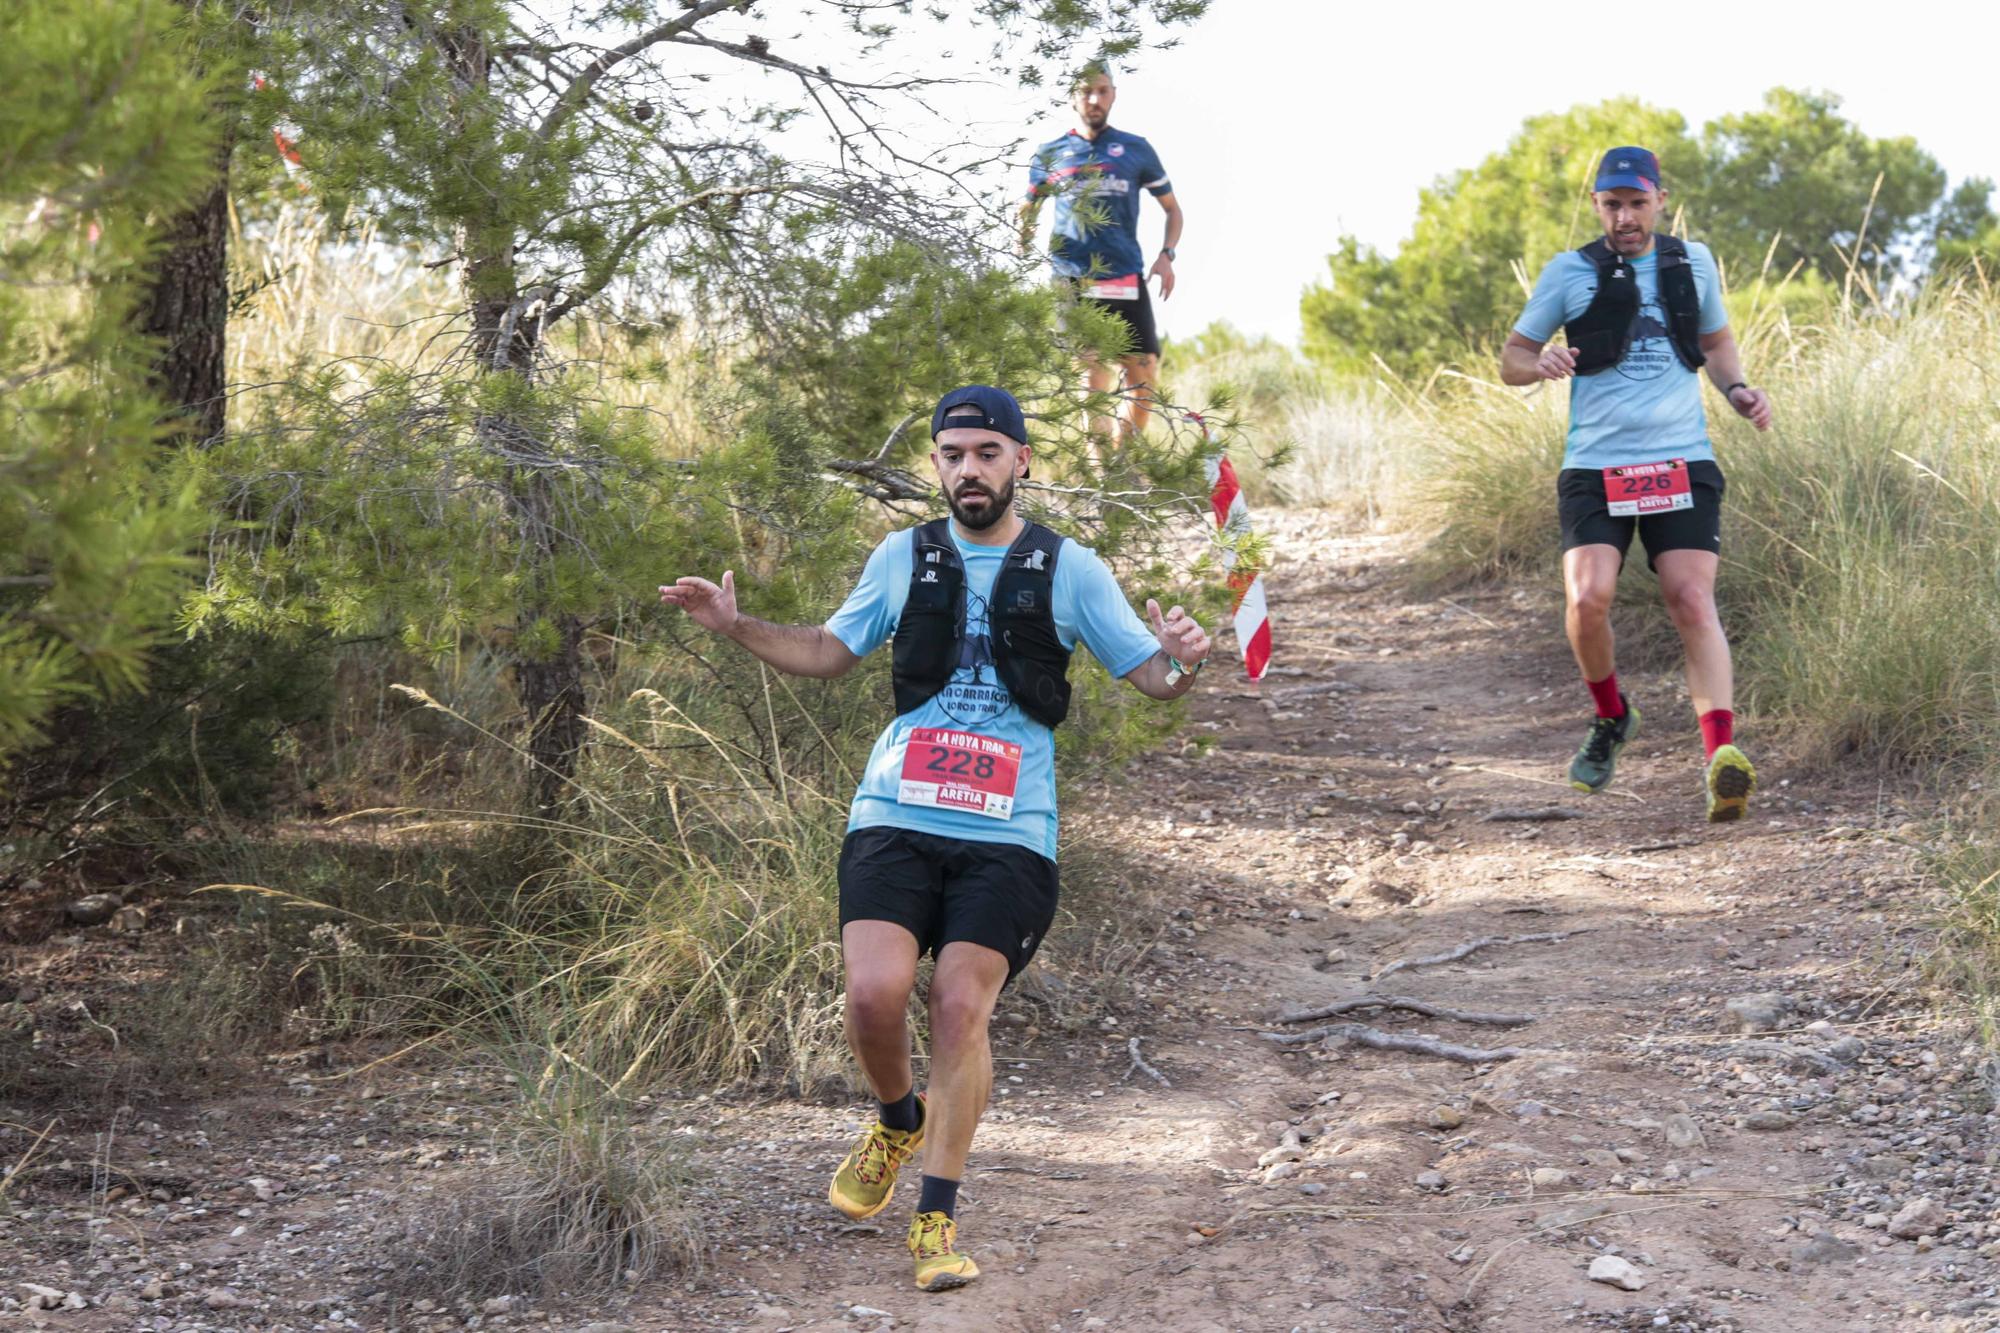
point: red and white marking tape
(1232, 520)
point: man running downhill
(951, 839)
(1643, 313)
(1095, 174)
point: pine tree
(102, 129)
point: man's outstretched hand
(1180, 637)
(711, 607)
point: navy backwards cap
(1628, 168)
(996, 407)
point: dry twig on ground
(1362, 1034)
(1405, 1003)
(1473, 946)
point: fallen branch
(1473, 946)
(1139, 1065)
(1667, 846)
(1362, 1034)
(1408, 1005)
(1544, 814)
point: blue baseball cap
(996, 409)
(1628, 168)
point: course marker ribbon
(1232, 519)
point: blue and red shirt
(1096, 184)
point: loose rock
(1918, 1217)
(1613, 1271)
(1762, 1012)
(93, 909)
(1769, 1120)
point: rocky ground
(1706, 1088)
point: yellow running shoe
(862, 1186)
(1731, 782)
(939, 1266)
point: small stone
(500, 1305)
(1847, 1049)
(219, 1299)
(1769, 1120)
(1765, 1011)
(1004, 1250)
(93, 909)
(1446, 1117)
(1613, 1271)
(41, 1297)
(1602, 1158)
(1433, 1181)
(1284, 1152)
(1918, 1217)
(1311, 1188)
(1825, 1248)
(1875, 1221)
(155, 1290)
(1683, 1133)
(1548, 1177)
(1281, 1171)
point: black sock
(939, 1196)
(902, 1113)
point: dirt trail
(1338, 823)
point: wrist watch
(1168, 251)
(1176, 669)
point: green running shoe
(1597, 760)
(1730, 782)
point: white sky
(1286, 122)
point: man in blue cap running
(1095, 174)
(951, 840)
(1642, 314)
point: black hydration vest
(1601, 335)
(1028, 657)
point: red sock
(1610, 703)
(1718, 728)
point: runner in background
(1095, 175)
(951, 839)
(1642, 314)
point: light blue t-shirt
(1088, 606)
(1647, 408)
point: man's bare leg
(1590, 581)
(881, 965)
(963, 992)
(1100, 379)
(1687, 581)
(1141, 374)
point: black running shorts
(1138, 317)
(1587, 519)
(946, 889)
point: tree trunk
(506, 340)
(187, 309)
